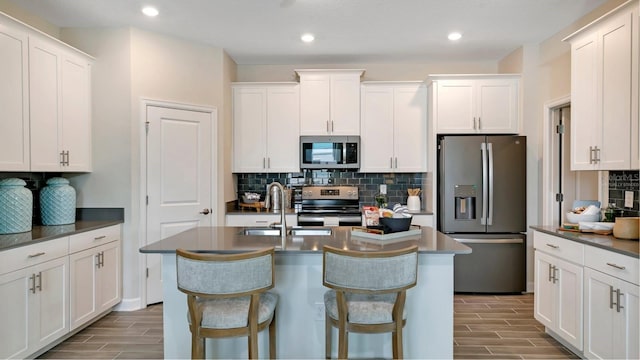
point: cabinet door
(454, 107)
(315, 104)
(345, 104)
(544, 296)
(82, 285)
(598, 315)
(14, 100)
(377, 129)
(44, 109)
(14, 332)
(615, 97)
(76, 113)
(626, 335)
(108, 282)
(497, 106)
(410, 129)
(48, 315)
(249, 129)
(569, 303)
(283, 129)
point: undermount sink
(262, 231)
(301, 231)
(295, 231)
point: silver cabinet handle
(264, 163)
(391, 162)
(611, 291)
(479, 124)
(332, 126)
(474, 123)
(101, 258)
(62, 158)
(555, 274)
(68, 157)
(619, 267)
(550, 272)
(597, 152)
(32, 278)
(618, 304)
(396, 165)
(99, 237)
(553, 246)
(268, 163)
(327, 126)
(98, 260)
(591, 158)
(39, 286)
(36, 255)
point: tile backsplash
(619, 183)
(369, 183)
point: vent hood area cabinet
(266, 127)
(476, 104)
(45, 99)
(604, 92)
(393, 127)
(329, 102)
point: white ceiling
(346, 31)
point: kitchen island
(298, 281)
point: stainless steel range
(330, 206)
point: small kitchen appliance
(330, 206)
(329, 152)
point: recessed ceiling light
(150, 11)
(307, 38)
(454, 36)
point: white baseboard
(129, 305)
(530, 287)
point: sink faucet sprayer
(283, 223)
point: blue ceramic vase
(16, 206)
(58, 202)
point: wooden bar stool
(368, 292)
(227, 297)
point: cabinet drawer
(93, 238)
(557, 246)
(25, 256)
(611, 263)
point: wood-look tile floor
(485, 327)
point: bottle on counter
(381, 198)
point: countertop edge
(573, 236)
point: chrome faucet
(283, 219)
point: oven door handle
(314, 218)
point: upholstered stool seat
(227, 297)
(367, 293)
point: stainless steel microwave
(329, 152)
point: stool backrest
(225, 275)
(366, 272)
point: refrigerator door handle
(490, 241)
(490, 212)
(485, 188)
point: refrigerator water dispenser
(465, 198)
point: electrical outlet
(319, 311)
(628, 199)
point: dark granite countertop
(607, 242)
(41, 233)
(224, 239)
(87, 219)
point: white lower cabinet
(558, 297)
(95, 281)
(34, 306)
(588, 297)
(611, 312)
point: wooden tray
(258, 206)
(589, 231)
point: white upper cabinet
(329, 102)
(604, 92)
(393, 127)
(14, 100)
(470, 104)
(266, 127)
(45, 102)
(60, 108)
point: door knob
(205, 211)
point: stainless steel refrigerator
(482, 203)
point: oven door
(329, 220)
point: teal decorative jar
(58, 202)
(16, 206)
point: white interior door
(179, 170)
